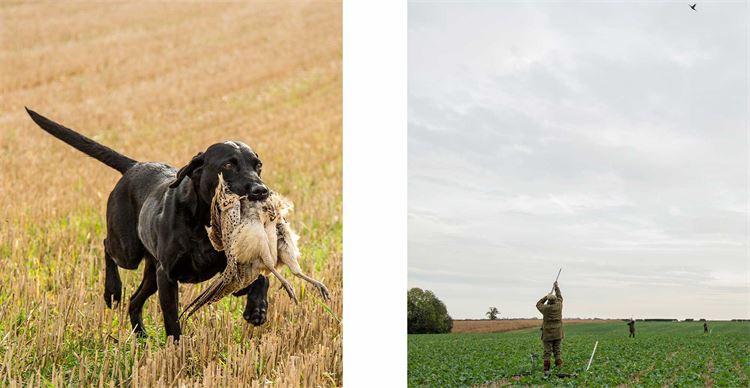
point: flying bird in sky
(693, 6)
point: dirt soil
(503, 325)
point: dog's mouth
(258, 197)
(256, 192)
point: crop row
(677, 354)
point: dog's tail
(82, 143)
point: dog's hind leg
(112, 282)
(145, 290)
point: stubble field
(161, 82)
(503, 325)
(662, 354)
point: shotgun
(558, 277)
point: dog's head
(239, 165)
(257, 301)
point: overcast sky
(607, 139)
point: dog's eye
(228, 166)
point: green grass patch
(668, 353)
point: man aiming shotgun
(552, 331)
(631, 328)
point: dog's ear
(195, 163)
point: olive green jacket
(552, 325)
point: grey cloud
(610, 139)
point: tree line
(426, 313)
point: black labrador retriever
(160, 214)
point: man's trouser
(552, 346)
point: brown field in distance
(503, 325)
(161, 82)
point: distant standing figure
(705, 327)
(552, 331)
(631, 326)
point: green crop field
(662, 354)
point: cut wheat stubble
(152, 99)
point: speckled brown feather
(256, 238)
(225, 215)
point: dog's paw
(112, 297)
(141, 334)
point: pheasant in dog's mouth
(256, 237)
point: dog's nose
(259, 190)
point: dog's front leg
(169, 300)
